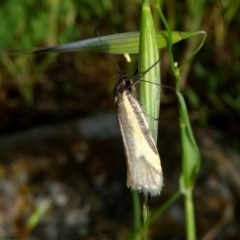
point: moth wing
(144, 172)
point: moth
(144, 172)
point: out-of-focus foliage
(211, 79)
(30, 24)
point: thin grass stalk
(137, 214)
(190, 153)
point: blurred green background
(210, 81)
(36, 90)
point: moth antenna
(108, 52)
(150, 68)
(162, 85)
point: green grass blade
(116, 43)
(38, 214)
(149, 94)
(190, 166)
(190, 152)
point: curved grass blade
(190, 152)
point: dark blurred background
(62, 165)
